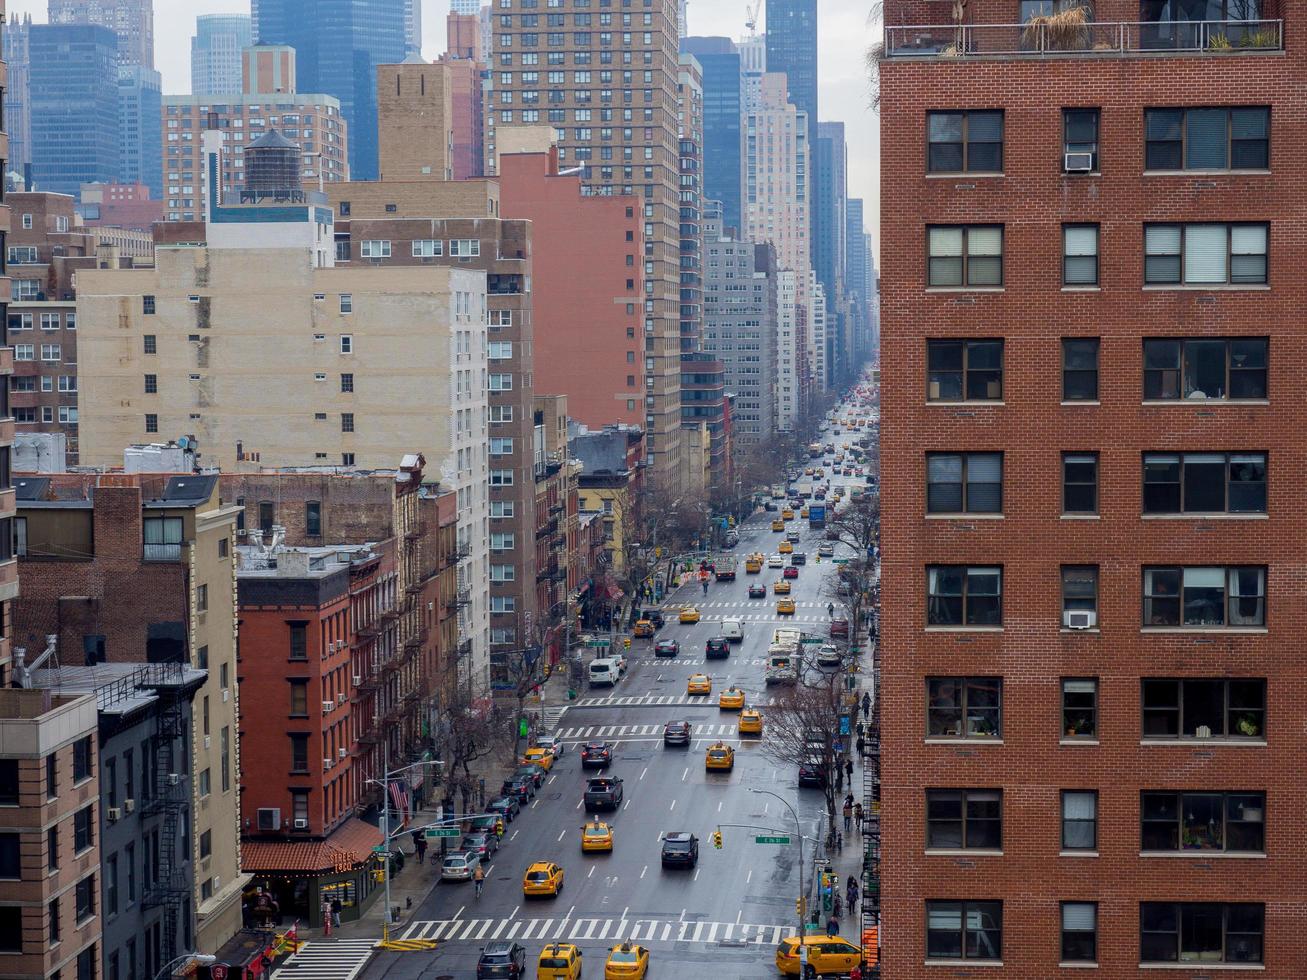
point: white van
(732, 630)
(605, 671)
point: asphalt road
(723, 918)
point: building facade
(467, 78)
(607, 83)
(829, 245)
(723, 116)
(778, 201)
(8, 562)
(216, 50)
(132, 22)
(791, 42)
(17, 94)
(140, 150)
(1090, 288)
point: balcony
(460, 598)
(1092, 39)
(547, 528)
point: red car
(839, 627)
(790, 572)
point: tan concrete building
(415, 105)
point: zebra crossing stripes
(608, 930)
(327, 959)
(638, 731)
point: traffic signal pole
(798, 840)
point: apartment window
(313, 518)
(1080, 707)
(346, 421)
(1079, 820)
(502, 541)
(1079, 592)
(51, 778)
(346, 459)
(147, 305)
(52, 918)
(1079, 932)
(10, 858)
(346, 303)
(501, 478)
(24, 352)
(964, 930)
(151, 422)
(1201, 932)
(1203, 708)
(1205, 597)
(428, 248)
(1221, 822)
(502, 508)
(1224, 138)
(959, 595)
(346, 383)
(82, 759)
(502, 604)
(111, 886)
(85, 905)
(964, 142)
(206, 844)
(299, 753)
(374, 249)
(51, 352)
(499, 350)
(1206, 254)
(465, 247)
(1205, 483)
(1080, 255)
(224, 756)
(1080, 483)
(299, 641)
(1205, 368)
(502, 573)
(1080, 369)
(83, 828)
(151, 384)
(299, 698)
(964, 255)
(346, 344)
(958, 819)
(1080, 135)
(964, 483)
(964, 370)
(501, 446)
(163, 538)
(964, 707)
(52, 846)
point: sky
(844, 34)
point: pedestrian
(848, 814)
(852, 893)
(421, 844)
(839, 779)
(848, 771)
(862, 747)
(866, 705)
(335, 912)
(858, 814)
(832, 926)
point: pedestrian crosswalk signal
(801, 905)
(717, 839)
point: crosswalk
(608, 930)
(327, 959)
(582, 733)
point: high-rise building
(17, 94)
(777, 191)
(472, 7)
(216, 50)
(723, 117)
(132, 22)
(73, 100)
(412, 28)
(792, 51)
(689, 98)
(829, 247)
(791, 390)
(463, 57)
(8, 564)
(613, 102)
(140, 145)
(859, 288)
(338, 45)
(1091, 244)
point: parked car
(532, 772)
(603, 793)
(459, 867)
(596, 755)
(839, 627)
(680, 850)
(812, 773)
(483, 845)
(506, 806)
(551, 742)
(828, 655)
(523, 788)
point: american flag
(399, 794)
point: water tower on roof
(272, 169)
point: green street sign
(771, 840)
(840, 561)
(438, 832)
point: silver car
(459, 867)
(551, 742)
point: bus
(814, 450)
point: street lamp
(798, 839)
(199, 959)
(387, 773)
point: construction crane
(751, 20)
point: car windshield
(677, 845)
(492, 958)
(622, 956)
(553, 962)
(455, 862)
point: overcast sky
(845, 35)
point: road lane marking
(696, 874)
(513, 836)
(748, 878)
(673, 806)
(643, 771)
(591, 872)
(642, 872)
(459, 912)
(562, 834)
(686, 773)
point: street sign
(840, 561)
(437, 832)
(771, 840)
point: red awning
(348, 846)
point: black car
(505, 806)
(680, 850)
(521, 788)
(716, 648)
(654, 616)
(596, 755)
(770, 506)
(798, 558)
(667, 648)
(757, 591)
(676, 733)
(812, 773)
(531, 771)
(603, 793)
(501, 959)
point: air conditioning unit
(340, 698)
(129, 806)
(174, 778)
(1078, 163)
(113, 814)
(327, 706)
(301, 823)
(269, 818)
(358, 680)
(208, 741)
(226, 693)
(217, 884)
(1079, 619)
(344, 753)
(327, 764)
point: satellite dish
(183, 442)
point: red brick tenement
(1093, 449)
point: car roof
(499, 946)
(678, 837)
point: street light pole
(386, 773)
(798, 839)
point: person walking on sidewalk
(848, 770)
(862, 746)
(857, 815)
(336, 907)
(848, 815)
(866, 705)
(852, 895)
(420, 843)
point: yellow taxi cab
(820, 473)
(541, 757)
(627, 961)
(731, 699)
(596, 836)
(559, 961)
(787, 514)
(643, 628)
(826, 955)
(719, 756)
(804, 513)
(753, 565)
(542, 878)
(778, 525)
(785, 607)
(689, 614)
(781, 587)
(786, 548)
(699, 684)
(750, 722)
(808, 471)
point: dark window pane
(1204, 483)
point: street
(727, 914)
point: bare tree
(803, 726)
(476, 730)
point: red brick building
(1092, 595)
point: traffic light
(717, 839)
(801, 905)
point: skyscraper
(338, 45)
(792, 49)
(140, 150)
(829, 190)
(216, 53)
(723, 107)
(132, 21)
(74, 106)
(18, 116)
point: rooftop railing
(1106, 39)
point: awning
(348, 846)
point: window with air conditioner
(1079, 596)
